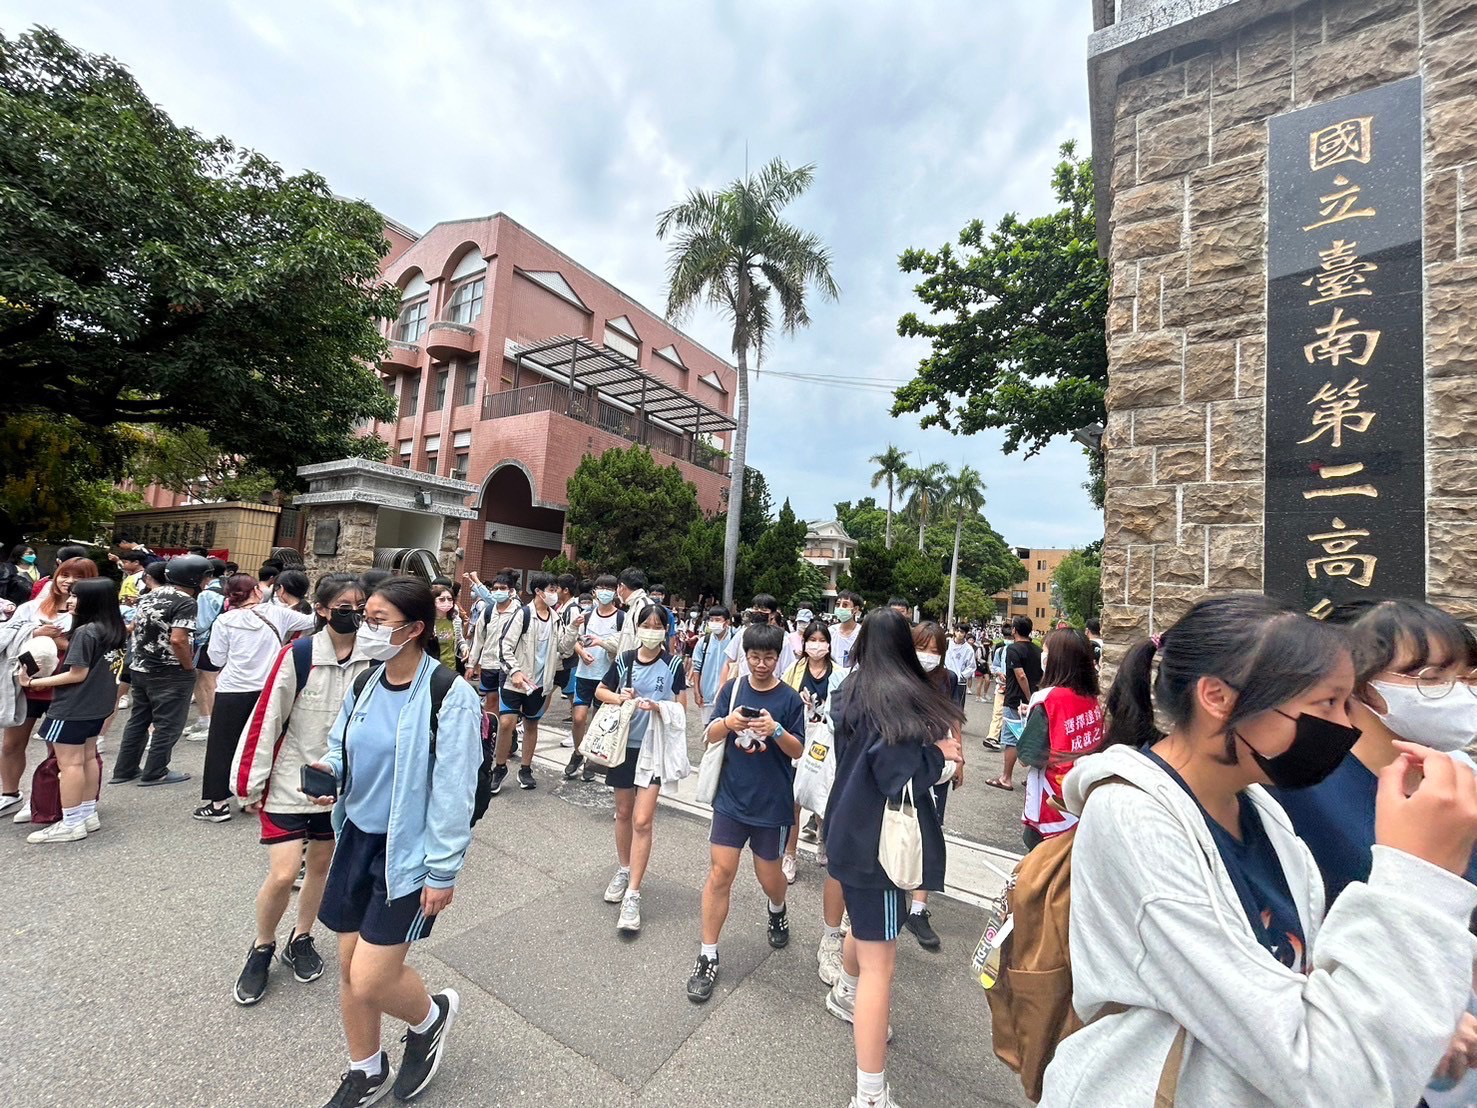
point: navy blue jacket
(868, 773)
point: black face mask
(345, 621)
(1318, 746)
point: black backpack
(15, 586)
(441, 679)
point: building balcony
(402, 357)
(446, 340)
(555, 396)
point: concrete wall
(245, 531)
(1187, 317)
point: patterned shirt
(158, 613)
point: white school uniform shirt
(736, 655)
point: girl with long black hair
(82, 700)
(893, 730)
(404, 822)
(1201, 956)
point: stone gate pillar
(1287, 195)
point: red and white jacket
(1075, 724)
(289, 728)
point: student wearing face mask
(287, 730)
(1201, 955)
(651, 676)
(403, 814)
(814, 676)
(707, 660)
(848, 615)
(596, 641)
(1414, 683)
(450, 635)
(499, 605)
(531, 647)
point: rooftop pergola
(613, 376)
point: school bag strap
(441, 679)
(302, 659)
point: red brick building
(510, 361)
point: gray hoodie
(1156, 925)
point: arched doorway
(515, 531)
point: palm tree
(892, 463)
(964, 492)
(926, 486)
(732, 250)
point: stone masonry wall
(1187, 318)
(356, 531)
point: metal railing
(552, 396)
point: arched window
(414, 306)
(467, 280)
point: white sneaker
(630, 913)
(885, 1102)
(567, 743)
(93, 824)
(828, 959)
(58, 833)
(9, 802)
(197, 734)
(787, 865)
(615, 892)
(842, 1005)
(24, 815)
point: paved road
(121, 952)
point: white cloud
(583, 120)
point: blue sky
(583, 120)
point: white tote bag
(815, 771)
(900, 848)
(711, 767)
(605, 739)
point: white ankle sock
(870, 1087)
(370, 1065)
(773, 907)
(831, 932)
(89, 808)
(918, 906)
(623, 869)
(71, 817)
(425, 1024)
(203, 722)
(709, 950)
(847, 983)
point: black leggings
(228, 719)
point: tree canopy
(1017, 321)
(1077, 584)
(863, 520)
(156, 276)
(627, 510)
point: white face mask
(818, 649)
(500, 596)
(715, 626)
(551, 598)
(379, 642)
(929, 662)
(651, 637)
(1444, 723)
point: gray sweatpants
(161, 698)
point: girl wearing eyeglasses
(304, 692)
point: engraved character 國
(1348, 141)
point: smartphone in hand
(750, 713)
(28, 662)
(318, 782)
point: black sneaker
(498, 773)
(209, 813)
(704, 977)
(918, 923)
(358, 1088)
(253, 980)
(303, 957)
(779, 929)
(525, 778)
(423, 1053)
(571, 771)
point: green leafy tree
(872, 571)
(964, 493)
(697, 570)
(811, 592)
(559, 563)
(891, 464)
(864, 521)
(732, 250)
(1017, 319)
(774, 561)
(757, 509)
(1077, 585)
(916, 577)
(971, 604)
(53, 482)
(627, 510)
(155, 276)
(984, 559)
(925, 487)
(187, 461)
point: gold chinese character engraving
(1342, 273)
(1341, 341)
(1337, 411)
(1349, 141)
(1339, 559)
(1339, 206)
(1322, 609)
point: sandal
(1000, 783)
